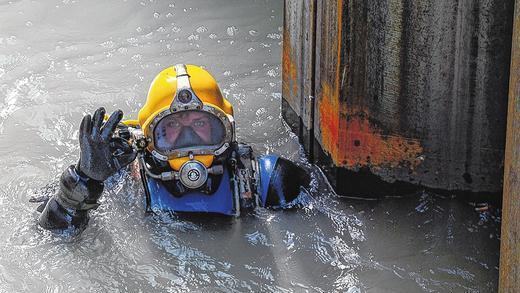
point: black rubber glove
(102, 154)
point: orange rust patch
(329, 105)
(289, 68)
(363, 144)
(329, 120)
(352, 141)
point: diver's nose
(187, 137)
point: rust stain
(352, 141)
(329, 101)
(329, 120)
(365, 145)
(289, 85)
(347, 134)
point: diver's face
(197, 121)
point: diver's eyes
(173, 124)
(199, 123)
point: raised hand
(102, 154)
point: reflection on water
(61, 59)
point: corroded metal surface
(414, 91)
(509, 280)
(298, 66)
(292, 49)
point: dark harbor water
(62, 59)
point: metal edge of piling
(509, 280)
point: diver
(186, 151)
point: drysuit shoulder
(280, 181)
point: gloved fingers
(123, 153)
(85, 127)
(111, 125)
(116, 146)
(97, 121)
(126, 158)
(119, 145)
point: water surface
(62, 59)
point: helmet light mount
(184, 96)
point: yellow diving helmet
(186, 118)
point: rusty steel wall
(408, 91)
(297, 63)
(509, 280)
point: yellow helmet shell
(162, 92)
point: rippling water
(62, 59)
